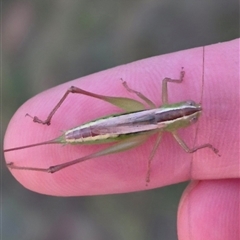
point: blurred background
(48, 42)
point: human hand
(126, 171)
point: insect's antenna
(197, 127)
(203, 73)
(190, 207)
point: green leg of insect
(165, 86)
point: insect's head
(182, 115)
(192, 111)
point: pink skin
(126, 171)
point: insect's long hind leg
(125, 103)
(117, 147)
(49, 117)
(165, 82)
(191, 150)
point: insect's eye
(191, 103)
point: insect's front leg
(165, 82)
(192, 150)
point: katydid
(128, 129)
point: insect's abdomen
(88, 135)
(111, 128)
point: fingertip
(210, 210)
